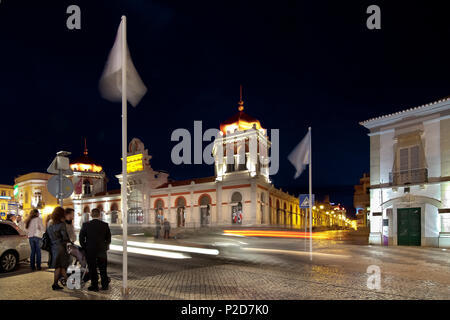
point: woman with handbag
(57, 233)
(34, 229)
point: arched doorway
(291, 216)
(135, 211)
(205, 210)
(114, 213)
(270, 211)
(262, 208)
(236, 208)
(278, 212)
(180, 203)
(159, 210)
(284, 215)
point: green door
(408, 224)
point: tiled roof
(187, 182)
(406, 111)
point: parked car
(14, 246)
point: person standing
(166, 228)
(20, 223)
(69, 214)
(95, 238)
(11, 217)
(34, 228)
(57, 233)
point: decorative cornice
(440, 105)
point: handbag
(46, 242)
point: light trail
(275, 234)
(148, 252)
(301, 253)
(213, 252)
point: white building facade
(410, 176)
(239, 194)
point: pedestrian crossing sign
(304, 201)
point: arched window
(236, 197)
(284, 214)
(205, 209)
(135, 212)
(87, 187)
(236, 208)
(262, 207)
(180, 203)
(159, 210)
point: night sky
(301, 63)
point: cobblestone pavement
(338, 271)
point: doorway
(408, 227)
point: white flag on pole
(299, 157)
(111, 80)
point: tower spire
(85, 148)
(241, 102)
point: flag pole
(124, 159)
(310, 194)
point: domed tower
(88, 176)
(241, 148)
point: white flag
(111, 80)
(299, 157)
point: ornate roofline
(436, 106)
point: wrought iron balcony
(405, 177)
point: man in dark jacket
(95, 238)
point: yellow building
(31, 192)
(6, 201)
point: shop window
(445, 222)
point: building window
(262, 208)
(205, 210)
(236, 208)
(87, 187)
(159, 210)
(410, 162)
(180, 203)
(114, 213)
(135, 213)
(445, 222)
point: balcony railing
(405, 177)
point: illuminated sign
(135, 163)
(5, 197)
(16, 191)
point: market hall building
(240, 193)
(410, 176)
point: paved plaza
(262, 269)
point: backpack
(46, 242)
